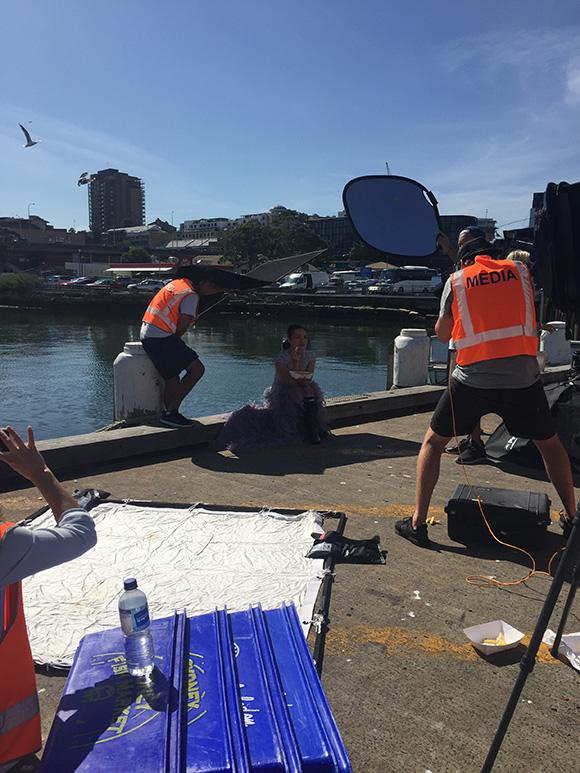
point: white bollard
(557, 349)
(138, 387)
(541, 357)
(411, 360)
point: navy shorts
(170, 355)
(525, 411)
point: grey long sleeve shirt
(25, 551)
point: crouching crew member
(170, 314)
(487, 308)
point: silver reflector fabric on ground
(184, 558)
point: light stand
(570, 561)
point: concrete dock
(408, 691)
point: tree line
(250, 243)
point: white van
(407, 280)
(305, 280)
(345, 276)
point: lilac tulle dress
(279, 420)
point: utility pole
(388, 170)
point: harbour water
(56, 368)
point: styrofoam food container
(477, 633)
(573, 641)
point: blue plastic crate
(288, 722)
(104, 721)
(232, 692)
(213, 725)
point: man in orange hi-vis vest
(24, 552)
(170, 314)
(487, 308)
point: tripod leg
(528, 660)
(566, 612)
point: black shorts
(525, 411)
(170, 355)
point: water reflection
(56, 368)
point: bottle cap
(130, 583)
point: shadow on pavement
(505, 658)
(537, 592)
(491, 552)
(337, 451)
(534, 472)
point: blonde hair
(521, 255)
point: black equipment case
(517, 517)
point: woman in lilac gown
(292, 408)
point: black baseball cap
(474, 231)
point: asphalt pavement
(408, 691)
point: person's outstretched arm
(25, 459)
(25, 551)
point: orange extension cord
(481, 580)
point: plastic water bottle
(134, 614)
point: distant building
(336, 231)
(519, 234)
(537, 206)
(116, 200)
(204, 228)
(263, 218)
(211, 227)
(453, 225)
(156, 234)
(37, 230)
(487, 225)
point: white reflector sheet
(183, 558)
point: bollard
(411, 360)
(541, 357)
(138, 387)
(557, 349)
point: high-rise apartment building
(116, 200)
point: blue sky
(226, 107)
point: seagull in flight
(29, 141)
(85, 178)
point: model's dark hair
(290, 332)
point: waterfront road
(408, 691)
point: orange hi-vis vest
(163, 310)
(493, 311)
(19, 713)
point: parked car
(110, 283)
(359, 286)
(407, 280)
(305, 280)
(79, 280)
(332, 286)
(345, 276)
(55, 279)
(147, 285)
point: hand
(296, 355)
(22, 457)
(443, 242)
